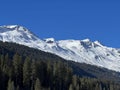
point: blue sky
(66, 19)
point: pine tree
(1, 61)
(97, 87)
(17, 64)
(111, 87)
(42, 71)
(18, 88)
(50, 74)
(6, 64)
(71, 87)
(27, 73)
(74, 81)
(77, 87)
(38, 85)
(33, 74)
(10, 85)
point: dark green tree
(27, 73)
(10, 85)
(33, 74)
(41, 68)
(17, 64)
(71, 87)
(38, 85)
(1, 61)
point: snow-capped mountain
(83, 51)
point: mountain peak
(83, 51)
(49, 40)
(86, 40)
(17, 34)
(98, 43)
(15, 27)
(10, 26)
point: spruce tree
(38, 85)
(71, 87)
(74, 81)
(17, 64)
(27, 73)
(5, 64)
(10, 85)
(33, 74)
(1, 61)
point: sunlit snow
(83, 51)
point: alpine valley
(82, 51)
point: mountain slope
(84, 51)
(79, 69)
(22, 66)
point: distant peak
(98, 43)
(14, 27)
(86, 40)
(10, 26)
(49, 40)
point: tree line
(19, 73)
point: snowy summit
(83, 51)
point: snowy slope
(84, 51)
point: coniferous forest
(23, 68)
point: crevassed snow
(83, 51)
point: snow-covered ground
(84, 51)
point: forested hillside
(23, 68)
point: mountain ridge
(83, 51)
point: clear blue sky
(66, 19)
